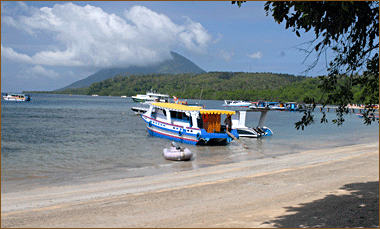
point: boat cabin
(188, 116)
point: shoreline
(252, 193)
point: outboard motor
(174, 144)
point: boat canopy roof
(217, 112)
(184, 108)
(179, 107)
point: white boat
(237, 104)
(177, 153)
(239, 119)
(151, 97)
(187, 124)
(139, 110)
(16, 97)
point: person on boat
(228, 123)
(175, 99)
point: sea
(56, 140)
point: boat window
(161, 111)
(200, 122)
(179, 115)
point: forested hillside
(213, 85)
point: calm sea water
(62, 139)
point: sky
(49, 45)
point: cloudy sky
(49, 45)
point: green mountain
(177, 65)
(211, 85)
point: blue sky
(49, 45)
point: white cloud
(38, 72)
(91, 37)
(256, 55)
(227, 56)
(9, 53)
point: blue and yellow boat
(188, 124)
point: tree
(351, 31)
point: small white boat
(151, 97)
(16, 97)
(177, 153)
(239, 118)
(237, 104)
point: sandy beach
(336, 187)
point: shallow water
(63, 139)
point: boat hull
(139, 110)
(138, 100)
(16, 99)
(248, 132)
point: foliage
(351, 30)
(213, 85)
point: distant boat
(292, 106)
(16, 97)
(177, 101)
(265, 104)
(123, 96)
(369, 116)
(279, 106)
(95, 95)
(237, 104)
(151, 97)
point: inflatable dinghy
(177, 153)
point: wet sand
(336, 187)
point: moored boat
(238, 122)
(187, 124)
(369, 116)
(292, 106)
(151, 97)
(16, 97)
(279, 106)
(237, 104)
